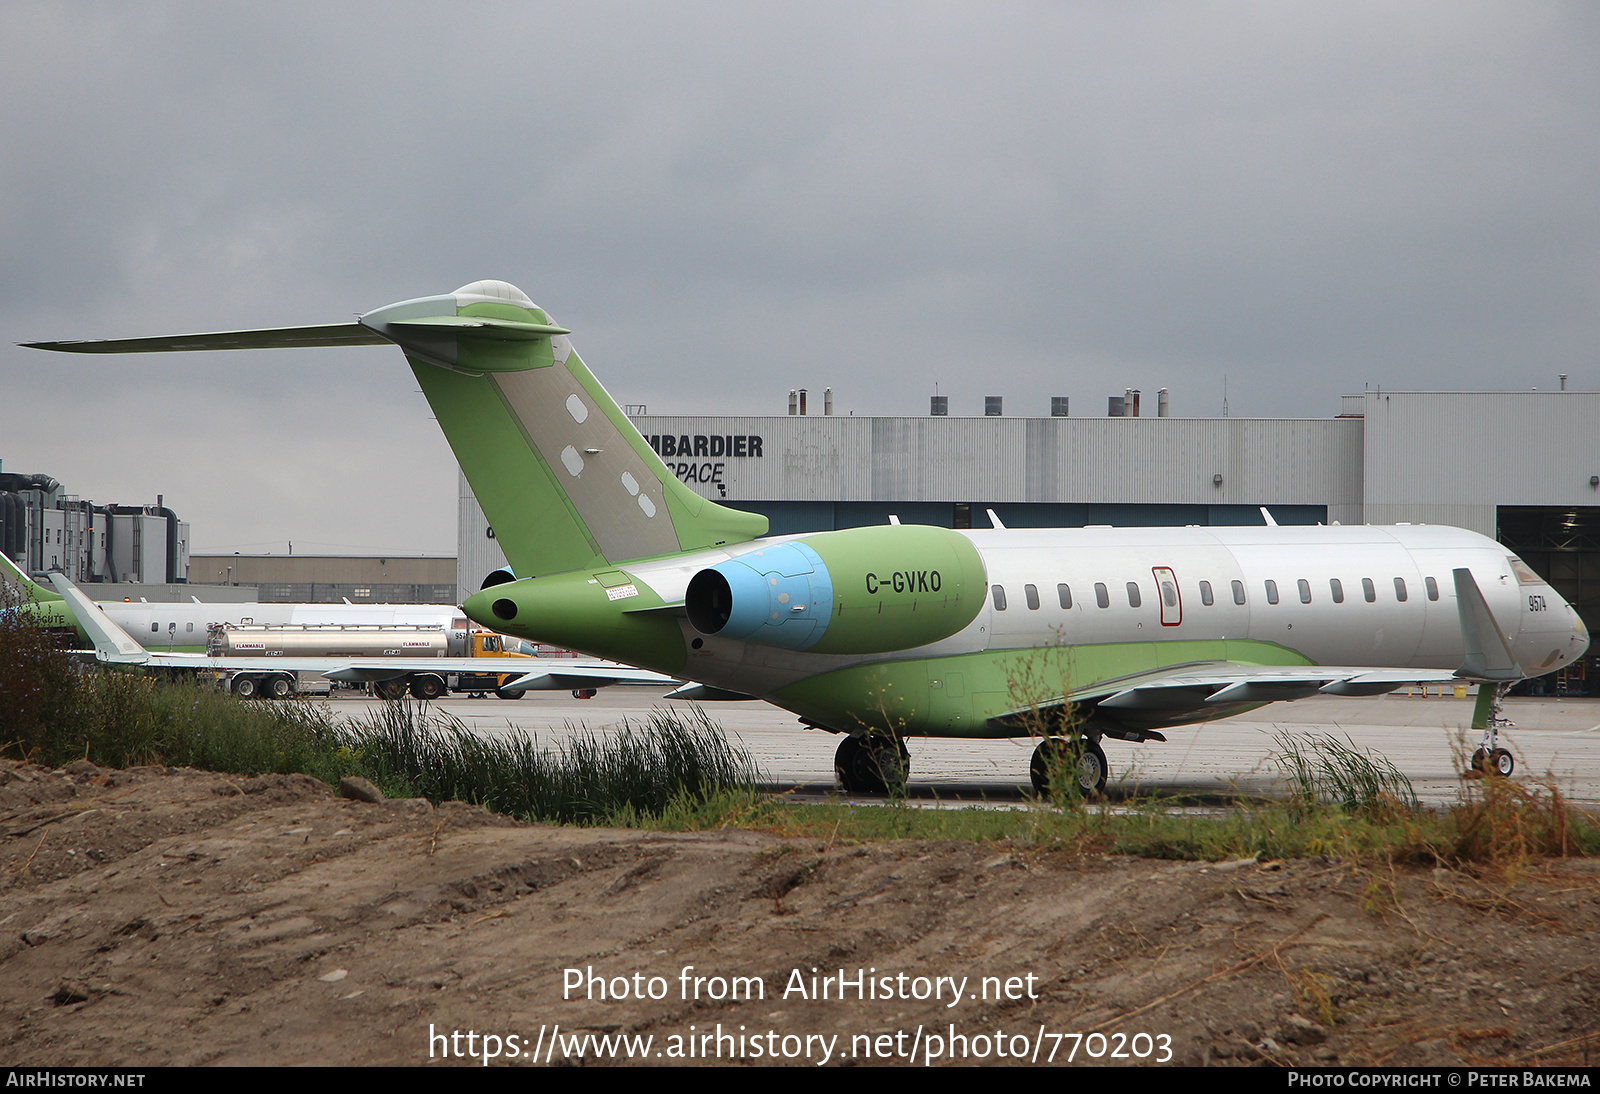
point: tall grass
(641, 770)
(1323, 770)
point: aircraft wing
(113, 645)
(1206, 689)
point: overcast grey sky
(724, 201)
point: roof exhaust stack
(1161, 403)
(794, 402)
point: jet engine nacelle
(859, 590)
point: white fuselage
(1382, 596)
(159, 626)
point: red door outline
(1167, 581)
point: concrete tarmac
(1428, 739)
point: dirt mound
(168, 916)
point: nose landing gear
(1489, 758)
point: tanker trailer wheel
(246, 687)
(279, 687)
(390, 689)
(427, 686)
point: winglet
(1488, 656)
(111, 642)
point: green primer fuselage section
(955, 696)
(575, 610)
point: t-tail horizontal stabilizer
(1488, 655)
(316, 336)
(111, 642)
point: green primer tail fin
(563, 476)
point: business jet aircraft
(114, 646)
(182, 626)
(898, 631)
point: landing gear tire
(1083, 760)
(502, 693)
(584, 693)
(390, 689)
(246, 687)
(427, 687)
(1501, 763)
(872, 764)
(279, 687)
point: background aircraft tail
(12, 574)
(565, 479)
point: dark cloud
(723, 201)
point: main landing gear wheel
(502, 693)
(1083, 760)
(872, 764)
(1494, 762)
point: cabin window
(1369, 590)
(155, 628)
(1272, 591)
(1400, 589)
(1031, 594)
(1133, 594)
(1305, 590)
(1433, 588)
(999, 598)
(1336, 587)
(188, 628)
(1169, 594)
(1205, 594)
(1238, 592)
(1102, 596)
(1065, 594)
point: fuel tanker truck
(336, 640)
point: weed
(1323, 770)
